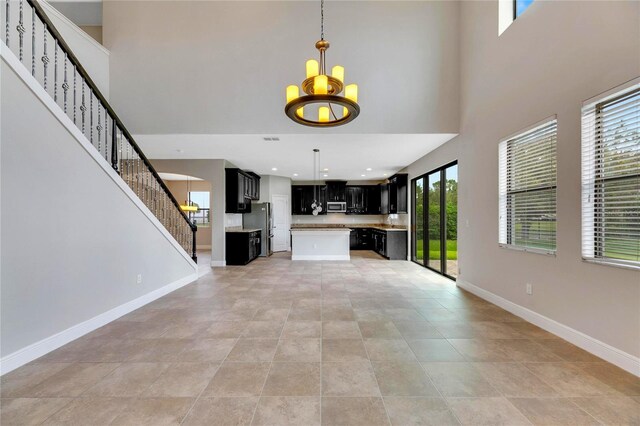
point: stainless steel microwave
(336, 207)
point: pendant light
(324, 90)
(316, 207)
(187, 206)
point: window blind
(527, 186)
(611, 179)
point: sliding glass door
(418, 236)
(434, 220)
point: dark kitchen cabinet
(237, 188)
(363, 199)
(302, 196)
(398, 185)
(242, 247)
(356, 200)
(360, 239)
(384, 198)
(241, 187)
(364, 239)
(353, 240)
(390, 244)
(379, 240)
(336, 191)
(373, 199)
(254, 186)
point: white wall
(274, 185)
(93, 57)
(551, 59)
(73, 255)
(240, 56)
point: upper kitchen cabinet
(398, 185)
(373, 199)
(302, 196)
(336, 191)
(356, 200)
(241, 187)
(254, 189)
(384, 198)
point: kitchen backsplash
(232, 220)
(392, 219)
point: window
(527, 187)
(200, 199)
(509, 11)
(611, 179)
(519, 6)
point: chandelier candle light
(324, 90)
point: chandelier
(323, 90)
(188, 205)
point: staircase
(34, 40)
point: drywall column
(212, 171)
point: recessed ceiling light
(295, 174)
(363, 175)
(325, 170)
(325, 175)
(275, 169)
(369, 169)
(384, 174)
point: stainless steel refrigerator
(260, 218)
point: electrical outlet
(139, 279)
(529, 289)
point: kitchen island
(320, 244)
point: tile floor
(365, 342)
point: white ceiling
(176, 176)
(346, 156)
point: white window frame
(503, 184)
(588, 165)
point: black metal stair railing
(32, 37)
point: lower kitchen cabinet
(242, 246)
(390, 244)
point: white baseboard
(218, 263)
(320, 257)
(603, 350)
(44, 346)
